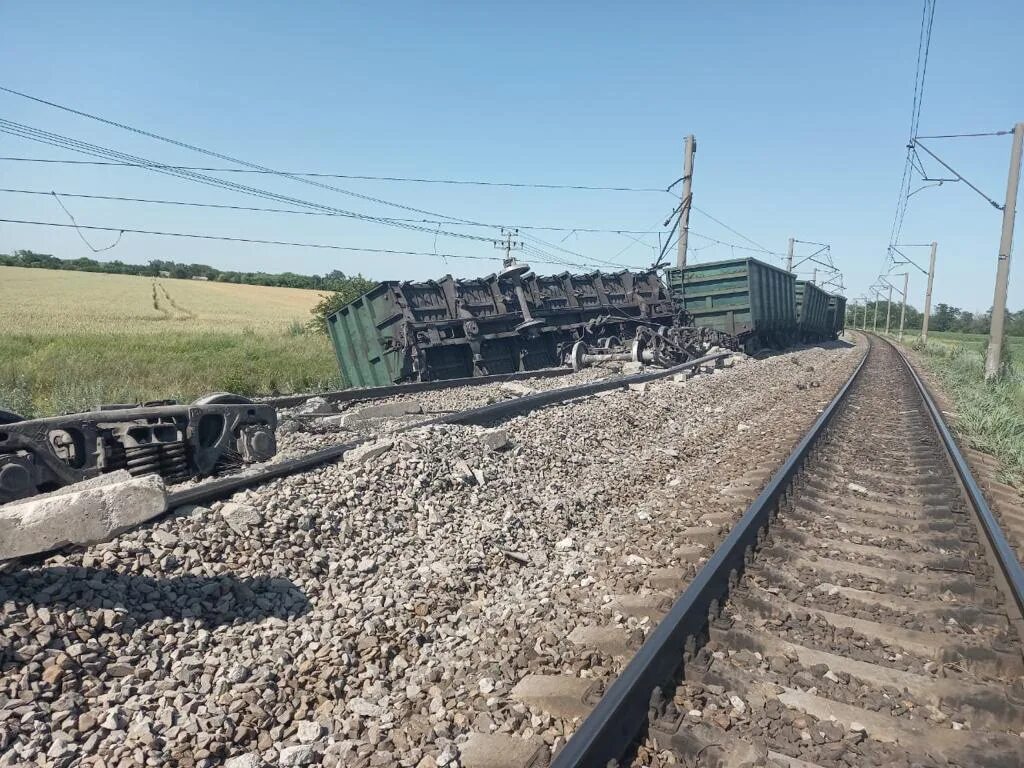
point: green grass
(43, 374)
(990, 416)
(73, 340)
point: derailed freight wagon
(747, 298)
(814, 323)
(504, 323)
(836, 314)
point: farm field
(975, 342)
(75, 339)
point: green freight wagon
(812, 312)
(745, 297)
(836, 314)
(504, 323)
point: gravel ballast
(377, 612)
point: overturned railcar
(503, 323)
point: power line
(253, 166)
(78, 229)
(292, 211)
(64, 142)
(221, 156)
(920, 73)
(958, 135)
(735, 232)
(736, 245)
(322, 175)
(328, 246)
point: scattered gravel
(375, 612)
(317, 424)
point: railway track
(485, 414)
(866, 610)
(369, 394)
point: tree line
(945, 317)
(344, 288)
(332, 281)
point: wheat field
(72, 340)
(44, 300)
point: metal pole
(814, 276)
(789, 257)
(874, 322)
(689, 148)
(928, 295)
(995, 340)
(903, 310)
(888, 309)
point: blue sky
(801, 112)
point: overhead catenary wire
(722, 224)
(296, 177)
(920, 74)
(78, 229)
(325, 210)
(156, 201)
(355, 177)
(230, 159)
(64, 142)
(292, 211)
(184, 172)
(965, 135)
(220, 155)
(260, 241)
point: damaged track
(481, 415)
(864, 611)
(369, 394)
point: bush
(350, 290)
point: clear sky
(801, 112)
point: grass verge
(48, 373)
(990, 416)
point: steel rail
(614, 723)
(619, 716)
(1003, 552)
(391, 390)
(224, 486)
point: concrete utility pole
(888, 310)
(928, 295)
(814, 276)
(789, 257)
(995, 341)
(874, 320)
(903, 310)
(689, 149)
